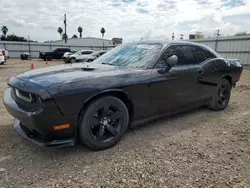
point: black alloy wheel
(224, 94)
(104, 123)
(221, 96)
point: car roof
(87, 50)
(167, 42)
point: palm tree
(4, 29)
(64, 36)
(80, 31)
(102, 32)
(60, 30)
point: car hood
(67, 74)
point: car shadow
(170, 124)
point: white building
(86, 41)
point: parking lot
(199, 148)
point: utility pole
(216, 40)
(29, 45)
(218, 33)
(181, 36)
(65, 27)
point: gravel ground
(199, 148)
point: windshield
(132, 55)
(79, 52)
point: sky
(127, 19)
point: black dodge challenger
(131, 84)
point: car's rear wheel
(103, 123)
(221, 96)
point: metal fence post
(215, 46)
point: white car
(66, 55)
(2, 60)
(72, 58)
(90, 57)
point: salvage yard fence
(15, 49)
(228, 47)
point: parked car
(25, 56)
(131, 84)
(89, 58)
(66, 55)
(79, 53)
(2, 60)
(56, 53)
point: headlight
(24, 95)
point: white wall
(15, 49)
(88, 41)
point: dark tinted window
(201, 54)
(87, 52)
(185, 56)
(63, 50)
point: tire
(49, 58)
(103, 123)
(90, 60)
(72, 60)
(221, 96)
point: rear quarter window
(201, 54)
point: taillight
(3, 52)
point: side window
(86, 52)
(185, 56)
(201, 54)
(65, 50)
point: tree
(64, 36)
(102, 31)
(60, 30)
(74, 36)
(13, 37)
(80, 31)
(4, 29)
(244, 33)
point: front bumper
(36, 138)
(37, 126)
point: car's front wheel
(221, 96)
(103, 123)
(72, 60)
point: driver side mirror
(172, 60)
